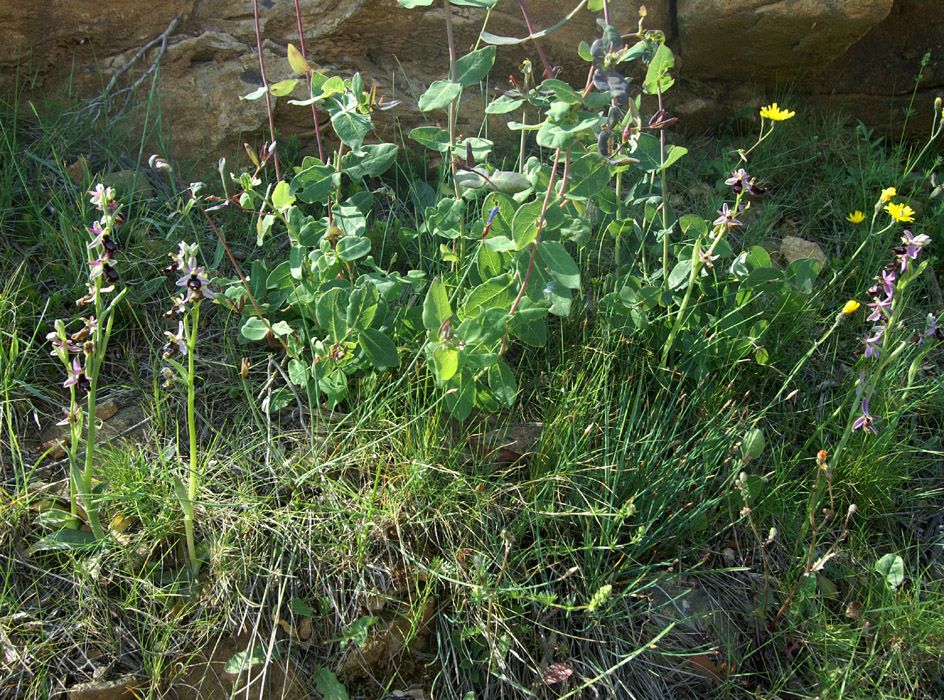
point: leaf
(362, 307)
(493, 293)
(892, 569)
(358, 631)
(475, 3)
(501, 380)
(283, 87)
(681, 273)
(439, 95)
(352, 248)
(432, 137)
(436, 308)
(473, 67)
(370, 161)
(657, 77)
(64, 539)
(297, 61)
(255, 94)
(446, 362)
(254, 329)
(351, 127)
(300, 607)
(460, 395)
(331, 312)
(504, 105)
(379, 349)
(298, 372)
(314, 184)
(490, 38)
(281, 328)
(281, 197)
(508, 182)
(559, 264)
(245, 660)
(752, 446)
(328, 684)
(410, 4)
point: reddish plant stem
(314, 111)
(265, 83)
(242, 278)
(548, 71)
(537, 238)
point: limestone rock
(764, 41)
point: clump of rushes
(185, 311)
(83, 351)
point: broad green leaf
(446, 362)
(379, 349)
(752, 446)
(657, 77)
(473, 67)
(493, 293)
(501, 380)
(439, 95)
(298, 372)
(410, 4)
(281, 328)
(362, 307)
(328, 684)
(589, 174)
(245, 660)
(314, 184)
(64, 539)
(559, 264)
(432, 137)
(460, 394)
(504, 105)
(761, 277)
(370, 161)
(892, 569)
(283, 87)
(254, 329)
(530, 332)
(351, 127)
(331, 312)
(281, 196)
(563, 91)
(436, 308)
(681, 273)
(352, 248)
(524, 226)
(508, 182)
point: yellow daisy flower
(856, 217)
(888, 193)
(900, 212)
(851, 307)
(774, 113)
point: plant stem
(190, 327)
(265, 83)
(450, 37)
(548, 71)
(314, 111)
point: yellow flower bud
(851, 307)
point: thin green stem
(191, 325)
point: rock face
(859, 53)
(764, 41)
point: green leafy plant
(83, 352)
